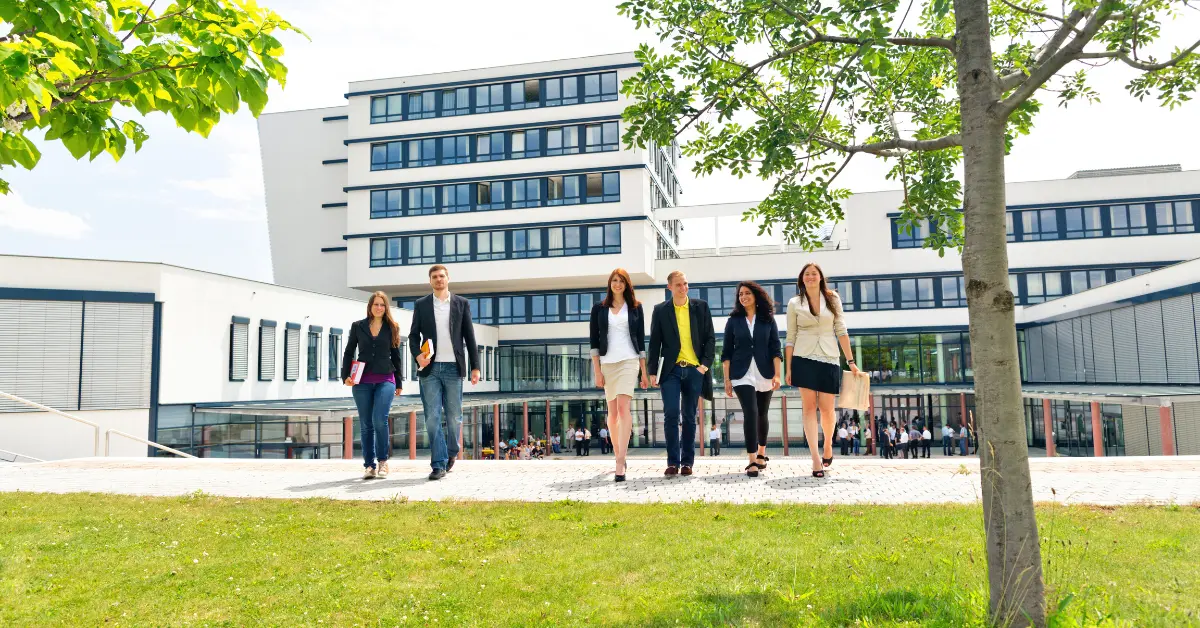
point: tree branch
(141, 20)
(13, 36)
(1055, 62)
(1010, 81)
(1045, 16)
(894, 147)
(1124, 57)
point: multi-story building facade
(517, 179)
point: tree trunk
(1013, 551)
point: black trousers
(715, 445)
(755, 406)
(845, 446)
(925, 448)
(578, 448)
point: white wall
(1114, 294)
(52, 437)
(293, 145)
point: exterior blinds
(239, 352)
(291, 355)
(266, 353)
(40, 341)
(116, 355)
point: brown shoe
(671, 471)
(686, 471)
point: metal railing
(768, 249)
(96, 427)
(4, 453)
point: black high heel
(827, 461)
(619, 478)
(752, 470)
(819, 474)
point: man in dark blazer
(686, 360)
(444, 319)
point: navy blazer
(461, 332)
(740, 348)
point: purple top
(377, 378)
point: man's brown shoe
(671, 471)
(686, 471)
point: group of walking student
(682, 339)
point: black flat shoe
(619, 478)
(762, 460)
(752, 470)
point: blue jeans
(681, 387)
(946, 445)
(962, 442)
(441, 396)
(374, 403)
(854, 442)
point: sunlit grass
(200, 560)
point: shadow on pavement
(358, 485)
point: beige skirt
(620, 378)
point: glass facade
(1071, 422)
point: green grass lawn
(91, 560)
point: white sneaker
(383, 469)
(368, 473)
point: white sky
(199, 203)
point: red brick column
(1048, 423)
(1097, 431)
(496, 432)
(525, 422)
(701, 423)
(412, 435)
(1167, 427)
(347, 437)
(783, 416)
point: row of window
(239, 352)
(595, 187)
(1070, 223)
(511, 96)
(496, 146)
(499, 244)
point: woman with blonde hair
(618, 336)
(374, 341)
(815, 330)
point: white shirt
(926, 435)
(603, 432)
(945, 430)
(579, 435)
(715, 434)
(620, 346)
(842, 433)
(963, 433)
(443, 349)
(867, 433)
(853, 430)
(753, 376)
(903, 437)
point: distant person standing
(885, 445)
(963, 439)
(714, 440)
(442, 322)
(603, 440)
(904, 443)
(578, 438)
(844, 439)
(914, 439)
(926, 440)
(946, 441)
(587, 442)
(374, 341)
(854, 437)
(568, 439)
(866, 434)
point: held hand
(702, 369)
(728, 388)
(474, 376)
(654, 381)
(423, 360)
(775, 383)
(599, 377)
(644, 382)
(349, 382)
(854, 369)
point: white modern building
(214, 366)
(516, 178)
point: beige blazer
(814, 335)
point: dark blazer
(425, 326)
(664, 339)
(376, 351)
(740, 348)
(598, 329)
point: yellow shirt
(684, 320)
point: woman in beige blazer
(815, 329)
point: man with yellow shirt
(681, 333)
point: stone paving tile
(1109, 481)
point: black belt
(682, 363)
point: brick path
(1108, 481)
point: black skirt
(816, 375)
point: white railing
(107, 433)
(766, 249)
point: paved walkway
(1108, 481)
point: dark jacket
(425, 326)
(664, 339)
(598, 329)
(740, 348)
(376, 351)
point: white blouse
(754, 376)
(620, 347)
